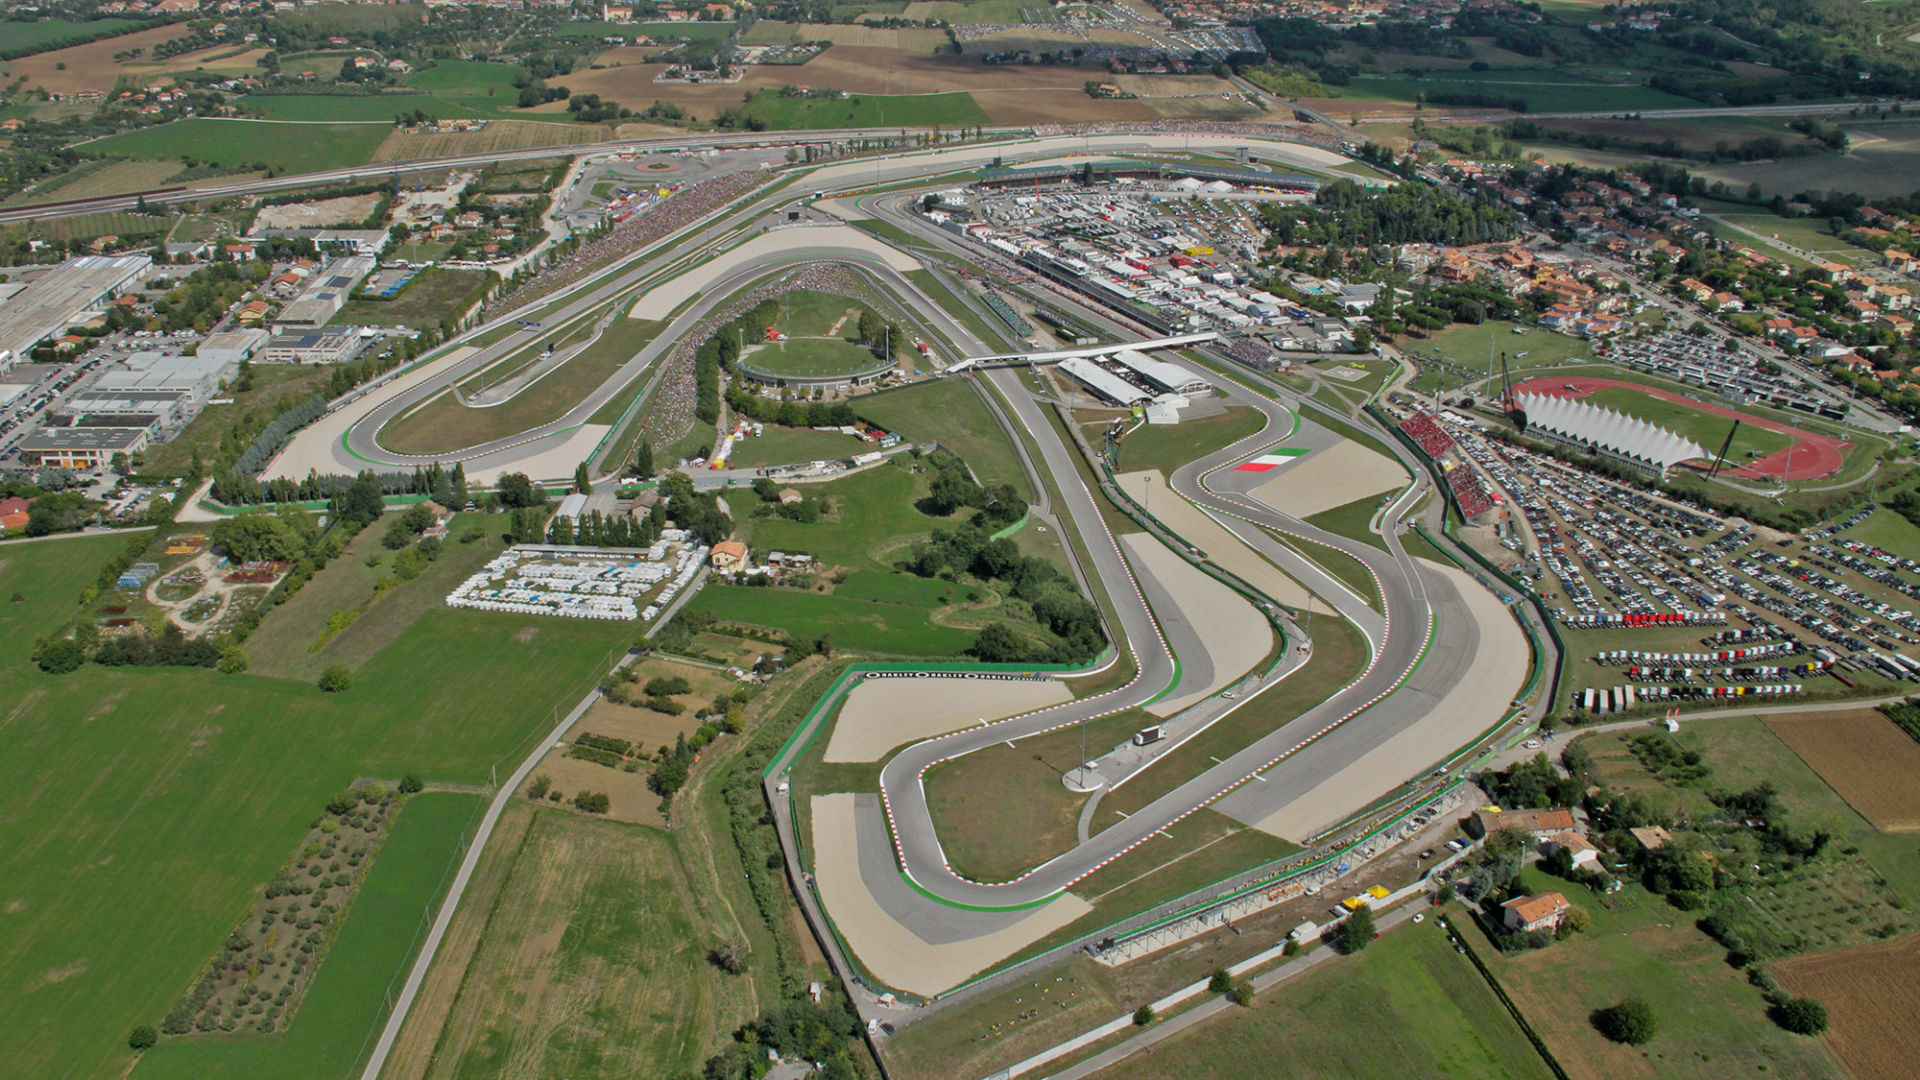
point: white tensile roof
(1626, 435)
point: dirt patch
(317, 213)
(627, 793)
(57, 975)
(1872, 993)
(90, 66)
(1865, 757)
(881, 714)
(1332, 477)
(525, 634)
(15, 907)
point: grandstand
(1421, 427)
(1469, 492)
(1626, 439)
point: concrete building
(333, 345)
(1162, 376)
(234, 346)
(326, 294)
(79, 447)
(198, 377)
(366, 242)
(170, 407)
(1103, 383)
(58, 300)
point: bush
(62, 657)
(336, 679)
(343, 803)
(1801, 1015)
(537, 789)
(142, 1037)
(1243, 995)
(1143, 1016)
(1631, 1021)
(593, 802)
(1220, 982)
(411, 783)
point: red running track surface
(1811, 456)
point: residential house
(1525, 914)
(1540, 823)
(1584, 854)
(729, 556)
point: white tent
(1606, 430)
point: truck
(1149, 735)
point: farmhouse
(1525, 914)
(1584, 854)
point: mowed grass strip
(1406, 1006)
(339, 1018)
(444, 424)
(150, 805)
(295, 148)
(593, 962)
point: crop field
(431, 294)
(152, 804)
(294, 148)
(1540, 89)
(91, 178)
(359, 107)
(1866, 758)
(396, 145)
(49, 32)
(1407, 1006)
(868, 110)
(593, 961)
(85, 67)
(1872, 993)
(123, 224)
(913, 39)
(950, 411)
(1882, 161)
(340, 1016)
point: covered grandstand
(1611, 434)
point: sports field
(1406, 1006)
(1471, 347)
(150, 805)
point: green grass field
(1886, 529)
(865, 625)
(1351, 520)
(811, 357)
(50, 33)
(807, 313)
(1406, 1006)
(150, 805)
(1542, 90)
(340, 1015)
(873, 521)
(341, 107)
(296, 148)
(1166, 447)
(867, 110)
(785, 446)
(951, 412)
(430, 295)
(1702, 427)
(491, 83)
(200, 440)
(1468, 346)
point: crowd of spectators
(1421, 428)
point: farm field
(397, 145)
(1406, 1006)
(951, 412)
(592, 960)
(343, 107)
(154, 803)
(1881, 162)
(297, 148)
(100, 178)
(867, 110)
(43, 33)
(1711, 1022)
(1866, 759)
(911, 39)
(122, 224)
(1871, 993)
(86, 67)
(1542, 90)
(433, 294)
(340, 1015)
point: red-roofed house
(13, 512)
(1524, 914)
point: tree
(233, 659)
(1801, 1015)
(581, 482)
(1220, 982)
(643, 460)
(142, 1037)
(537, 788)
(61, 657)
(335, 679)
(1143, 1016)
(1630, 1021)
(517, 490)
(411, 783)
(1356, 930)
(1243, 994)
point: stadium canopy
(1607, 431)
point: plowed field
(1863, 756)
(1872, 994)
